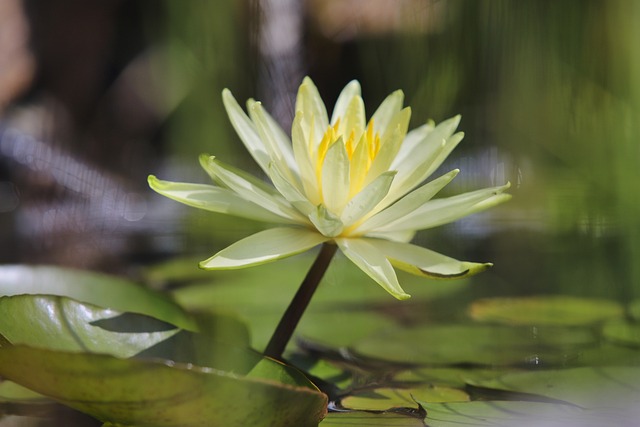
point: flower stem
(299, 303)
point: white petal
(309, 102)
(425, 144)
(350, 90)
(250, 188)
(291, 193)
(246, 130)
(358, 167)
(402, 236)
(365, 254)
(215, 199)
(363, 202)
(407, 204)
(303, 159)
(335, 178)
(326, 222)
(390, 144)
(277, 142)
(442, 211)
(387, 110)
(353, 120)
(413, 139)
(424, 262)
(420, 166)
(265, 246)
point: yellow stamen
(371, 140)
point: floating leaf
(372, 419)
(622, 332)
(64, 324)
(476, 344)
(520, 414)
(452, 377)
(93, 288)
(606, 354)
(634, 309)
(610, 387)
(271, 286)
(387, 398)
(12, 392)
(544, 310)
(340, 329)
(261, 294)
(153, 394)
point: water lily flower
(357, 184)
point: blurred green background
(96, 95)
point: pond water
(550, 100)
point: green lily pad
(387, 398)
(476, 344)
(271, 286)
(622, 332)
(93, 288)
(12, 392)
(222, 343)
(261, 294)
(64, 324)
(607, 354)
(634, 309)
(588, 387)
(521, 414)
(544, 310)
(452, 377)
(138, 393)
(371, 419)
(340, 329)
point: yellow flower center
(361, 149)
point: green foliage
(79, 354)
(93, 288)
(131, 369)
(64, 324)
(550, 310)
(160, 393)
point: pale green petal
(278, 143)
(391, 142)
(263, 247)
(353, 120)
(291, 193)
(367, 199)
(402, 236)
(424, 262)
(246, 130)
(206, 161)
(400, 120)
(415, 169)
(215, 199)
(387, 110)
(303, 159)
(250, 188)
(442, 211)
(335, 178)
(309, 102)
(326, 222)
(424, 146)
(344, 99)
(417, 138)
(359, 166)
(407, 204)
(365, 254)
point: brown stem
(299, 303)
